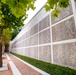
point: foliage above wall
(55, 5)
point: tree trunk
(0, 54)
(1, 29)
(7, 48)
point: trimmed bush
(47, 67)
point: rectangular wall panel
(44, 37)
(64, 30)
(65, 54)
(45, 53)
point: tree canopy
(7, 35)
(19, 7)
(10, 20)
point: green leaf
(47, 7)
(55, 13)
(4, 1)
(64, 3)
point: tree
(7, 20)
(12, 15)
(6, 38)
(0, 46)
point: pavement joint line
(35, 68)
(13, 67)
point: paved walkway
(23, 68)
(9, 71)
(17, 67)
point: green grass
(47, 67)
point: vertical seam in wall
(74, 11)
(38, 41)
(73, 5)
(51, 38)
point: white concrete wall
(48, 39)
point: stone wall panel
(44, 37)
(64, 30)
(65, 54)
(44, 23)
(45, 53)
